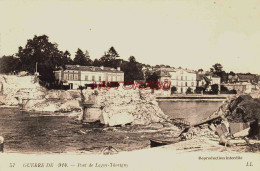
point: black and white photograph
(129, 85)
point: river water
(34, 133)
(190, 111)
(26, 133)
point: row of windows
(186, 84)
(92, 78)
(71, 77)
(182, 78)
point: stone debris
(118, 106)
(236, 123)
(141, 106)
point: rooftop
(163, 73)
(246, 76)
(92, 68)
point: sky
(192, 34)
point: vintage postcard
(129, 85)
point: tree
(152, 80)
(46, 54)
(215, 88)
(200, 89)
(132, 70)
(109, 59)
(66, 58)
(173, 89)
(81, 58)
(112, 52)
(189, 90)
(89, 61)
(39, 50)
(9, 64)
(200, 70)
(97, 62)
(232, 73)
(217, 69)
(223, 88)
(132, 59)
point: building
(164, 76)
(206, 80)
(76, 75)
(214, 79)
(241, 88)
(182, 79)
(250, 78)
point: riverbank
(195, 98)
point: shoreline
(193, 98)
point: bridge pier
(91, 113)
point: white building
(181, 78)
(76, 75)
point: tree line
(49, 58)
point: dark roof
(162, 73)
(92, 68)
(246, 76)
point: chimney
(118, 68)
(102, 67)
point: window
(65, 76)
(181, 77)
(181, 83)
(192, 83)
(176, 83)
(93, 77)
(76, 77)
(86, 78)
(186, 84)
(99, 78)
(71, 77)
